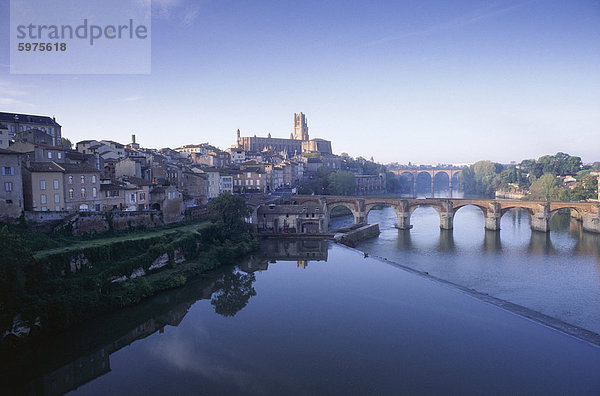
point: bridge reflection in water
(518, 238)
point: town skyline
(427, 83)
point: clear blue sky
(421, 81)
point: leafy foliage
(342, 183)
(228, 213)
(548, 187)
(66, 142)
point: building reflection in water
(300, 250)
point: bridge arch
(579, 211)
(508, 208)
(351, 206)
(483, 209)
(394, 206)
(441, 178)
(370, 206)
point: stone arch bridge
(541, 212)
(432, 172)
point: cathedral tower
(300, 127)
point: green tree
(66, 142)
(342, 183)
(392, 182)
(228, 213)
(548, 187)
(17, 269)
(587, 188)
(482, 177)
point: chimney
(133, 139)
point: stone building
(11, 185)
(50, 186)
(43, 187)
(291, 146)
(169, 200)
(370, 184)
(300, 127)
(249, 180)
(82, 187)
(258, 144)
(40, 152)
(17, 123)
(4, 136)
(128, 167)
(195, 185)
(308, 218)
(217, 159)
(320, 146)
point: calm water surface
(310, 317)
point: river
(313, 317)
(556, 273)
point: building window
(82, 192)
(43, 198)
(132, 197)
(57, 208)
(55, 184)
(93, 178)
(83, 178)
(59, 155)
(8, 186)
(70, 179)
(56, 198)
(8, 171)
(49, 154)
(42, 184)
(142, 196)
(44, 208)
(94, 192)
(248, 175)
(71, 193)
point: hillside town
(43, 172)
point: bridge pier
(415, 186)
(591, 222)
(360, 218)
(403, 221)
(446, 221)
(540, 220)
(492, 222)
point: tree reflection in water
(234, 293)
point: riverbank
(60, 287)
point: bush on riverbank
(56, 289)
